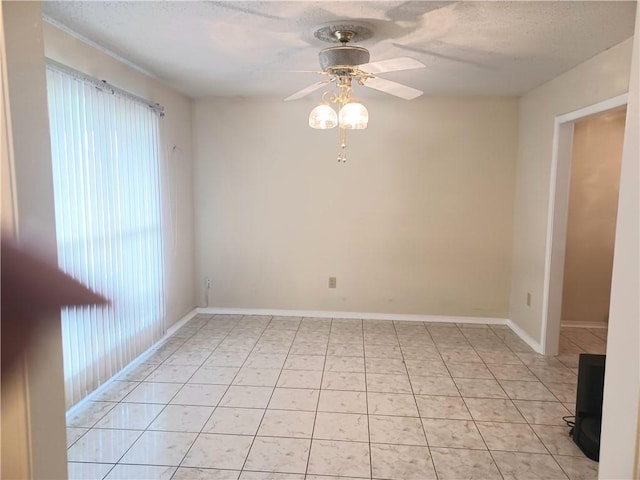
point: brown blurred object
(32, 288)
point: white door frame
(557, 217)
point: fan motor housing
(343, 56)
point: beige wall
(591, 223)
(604, 76)
(33, 422)
(178, 176)
(620, 449)
(419, 220)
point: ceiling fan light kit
(343, 65)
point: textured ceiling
(250, 48)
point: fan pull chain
(342, 145)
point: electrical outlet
(332, 282)
(528, 299)
(207, 282)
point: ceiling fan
(345, 64)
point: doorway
(576, 205)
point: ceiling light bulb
(354, 116)
(323, 117)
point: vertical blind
(106, 173)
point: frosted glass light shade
(323, 117)
(354, 116)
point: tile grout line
(159, 412)
(415, 400)
(274, 388)
(235, 325)
(465, 402)
(315, 417)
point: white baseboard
(525, 337)
(569, 324)
(174, 327)
(355, 315)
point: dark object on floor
(586, 433)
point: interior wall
(33, 421)
(418, 221)
(620, 450)
(591, 223)
(176, 150)
(602, 77)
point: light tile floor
(246, 397)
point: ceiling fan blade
(307, 90)
(393, 88)
(391, 65)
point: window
(106, 172)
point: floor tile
(480, 388)
(344, 381)
(341, 426)
(247, 475)
(267, 360)
(565, 392)
(115, 391)
(211, 450)
(578, 468)
(452, 433)
(456, 464)
(257, 377)
(459, 355)
(512, 372)
(344, 364)
(132, 416)
(300, 379)
(339, 401)
(510, 437)
(397, 404)
(287, 423)
(147, 472)
(345, 350)
(391, 366)
(294, 399)
(285, 455)
(171, 374)
(214, 375)
(396, 430)
(137, 373)
(557, 440)
(517, 390)
(102, 445)
(197, 394)
(493, 410)
(401, 462)
(542, 413)
(159, 448)
(528, 465)
(429, 368)
(188, 473)
(503, 358)
(305, 362)
(153, 393)
(226, 359)
(381, 382)
(236, 421)
(88, 471)
(182, 418)
(329, 457)
(88, 414)
(308, 348)
(74, 433)
(246, 397)
(452, 408)
(443, 386)
(468, 370)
